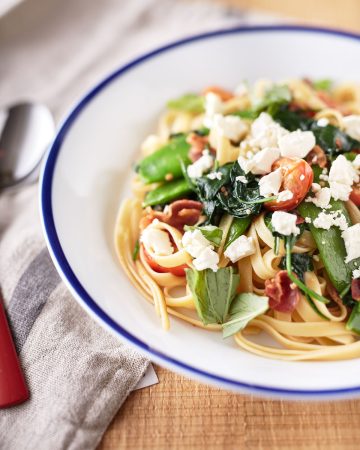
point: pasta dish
(245, 218)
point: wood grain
(181, 414)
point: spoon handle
(13, 389)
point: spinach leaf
(300, 263)
(244, 308)
(330, 138)
(213, 292)
(210, 232)
(188, 102)
(276, 95)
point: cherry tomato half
(297, 178)
(355, 194)
(178, 271)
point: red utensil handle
(13, 389)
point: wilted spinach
(300, 263)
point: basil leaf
(322, 85)
(244, 308)
(188, 102)
(196, 282)
(300, 263)
(210, 232)
(276, 95)
(213, 292)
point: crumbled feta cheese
(315, 187)
(270, 184)
(242, 179)
(200, 166)
(232, 127)
(297, 144)
(352, 126)
(215, 176)
(213, 105)
(196, 244)
(242, 246)
(157, 240)
(356, 162)
(351, 238)
(307, 220)
(266, 132)
(342, 175)
(207, 259)
(322, 198)
(323, 122)
(284, 223)
(249, 154)
(302, 177)
(326, 221)
(356, 273)
(261, 163)
(284, 196)
(323, 177)
(248, 211)
(325, 171)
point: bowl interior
(89, 170)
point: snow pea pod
(167, 192)
(164, 164)
(237, 228)
(353, 323)
(331, 245)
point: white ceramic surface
(88, 170)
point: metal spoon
(26, 133)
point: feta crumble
(232, 127)
(266, 132)
(356, 162)
(342, 175)
(215, 175)
(356, 273)
(157, 240)
(242, 179)
(323, 122)
(297, 143)
(321, 199)
(302, 177)
(270, 184)
(284, 196)
(200, 166)
(196, 244)
(261, 163)
(351, 238)
(213, 105)
(326, 221)
(352, 126)
(284, 223)
(242, 246)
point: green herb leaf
(210, 232)
(276, 95)
(322, 85)
(213, 292)
(188, 102)
(244, 308)
(246, 114)
(300, 263)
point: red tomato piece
(355, 194)
(297, 178)
(178, 271)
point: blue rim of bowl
(64, 267)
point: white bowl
(88, 170)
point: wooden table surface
(182, 414)
(179, 413)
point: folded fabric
(78, 374)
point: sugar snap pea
(164, 164)
(167, 192)
(330, 244)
